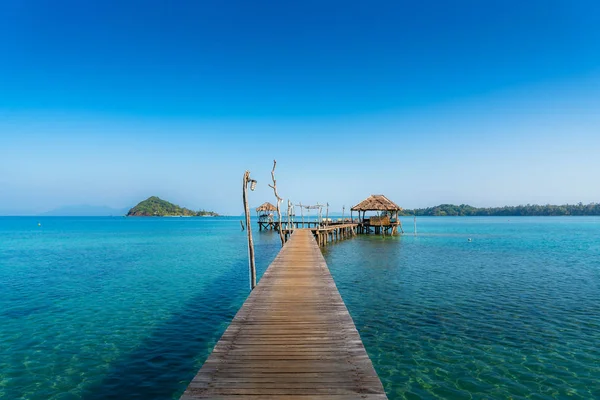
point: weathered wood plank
(292, 339)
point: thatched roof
(266, 207)
(376, 202)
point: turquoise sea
(111, 308)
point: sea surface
(111, 308)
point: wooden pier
(274, 225)
(293, 338)
(325, 234)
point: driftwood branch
(279, 200)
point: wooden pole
(279, 200)
(288, 213)
(319, 215)
(415, 224)
(248, 224)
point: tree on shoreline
(521, 210)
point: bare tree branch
(279, 200)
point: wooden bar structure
(265, 215)
(292, 339)
(386, 222)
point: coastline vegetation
(521, 210)
(156, 207)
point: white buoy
(469, 240)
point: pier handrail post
(249, 226)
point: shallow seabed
(101, 308)
(515, 313)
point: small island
(156, 207)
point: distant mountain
(84, 210)
(156, 207)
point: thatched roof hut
(376, 202)
(387, 214)
(266, 207)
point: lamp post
(249, 226)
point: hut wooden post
(250, 241)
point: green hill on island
(156, 207)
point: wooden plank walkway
(292, 339)
(328, 233)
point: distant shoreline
(529, 210)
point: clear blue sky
(480, 102)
